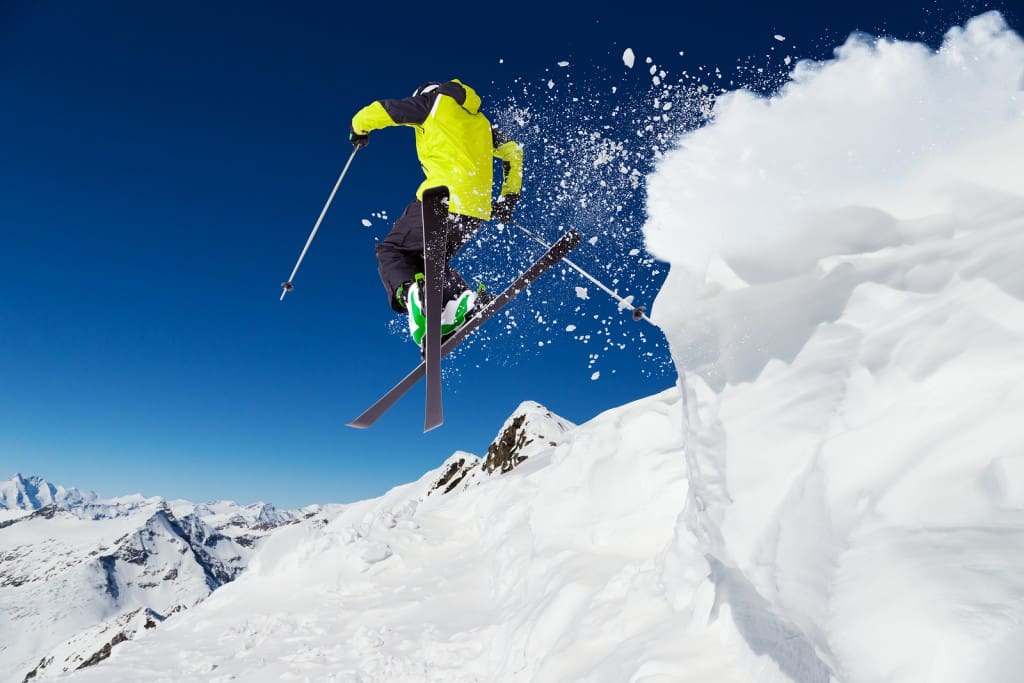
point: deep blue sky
(161, 165)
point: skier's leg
(460, 230)
(460, 298)
(400, 254)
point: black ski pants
(400, 254)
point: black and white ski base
(560, 248)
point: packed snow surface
(833, 492)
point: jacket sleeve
(511, 155)
(411, 111)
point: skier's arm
(511, 155)
(411, 111)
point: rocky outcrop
(531, 428)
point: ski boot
(462, 308)
(411, 294)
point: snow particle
(779, 38)
(595, 376)
(628, 58)
(366, 223)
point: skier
(456, 145)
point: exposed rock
(456, 471)
(530, 429)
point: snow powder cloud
(842, 133)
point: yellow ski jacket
(455, 143)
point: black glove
(358, 140)
(503, 206)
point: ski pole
(639, 312)
(287, 286)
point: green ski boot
(413, 296)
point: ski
(560, 248)
(435, 228)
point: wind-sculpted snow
(846, 311)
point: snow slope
(520, 576)
(833, 492)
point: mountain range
(80, 574)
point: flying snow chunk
(628, 58)
(581, 292)
(779, 37)
(595, 376)
(563, 64)
(551, 84)
(570, 328)
(366, 223)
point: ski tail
(559, 249)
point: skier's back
(456, 146)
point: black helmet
(427, 87)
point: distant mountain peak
(33, 492)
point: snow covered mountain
(833, 491)
(79, 574)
